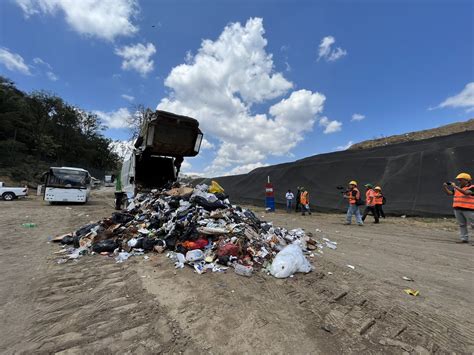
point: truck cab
(164, 140)
(11, 193)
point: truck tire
(8, 196)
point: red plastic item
(198, 244)
(228, 249)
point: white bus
(64, 184)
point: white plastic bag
(122, 256)
(132, 242)
(288, 261)
(180, 260)
(194, 255)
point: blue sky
(274, 81)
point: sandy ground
(146, 306)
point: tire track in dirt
(90, 306)
(97, 306)
(320, 313)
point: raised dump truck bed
(168, 134)
(165, 139)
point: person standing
(298, 197)
(370, 203)
(379, 201)
(463, 203)
(289, 201)
(353, 195)
(304, 200)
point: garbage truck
(164, 140)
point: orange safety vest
(463, 201)
(378, 198)
(370, 195)
(353, 199)
(304, 198)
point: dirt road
(146, 306)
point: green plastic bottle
(29, 225)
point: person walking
(379, 201)
(298, 198)
(463, 203)
(289, 201)
(370, 203)
(304, 200)
(353, 195)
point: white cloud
(464, 99)
(40, 61)
(115, 119)
(330, 126)
(284, 49)
(106, 19)
(219, 86)
(51, 76)
(205, 144)
(185, 166)
(129, 98)
(327, 52)
(191, 175)
(188, 59)
(49, 69)
(13, 61)
(345, 147)
(137, 57)
(357, 117)
(243, 169)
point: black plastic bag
(108, 245)
(139, 244)
(174, 203)
(67, 239)
(122, 218)
(223, 260)
(208, 206)
(86, 229)
(76, 240)
(221, 196)
(149, 243)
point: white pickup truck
(11, 193)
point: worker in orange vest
(463, 203)
(370, 203)
(379, 201)
(304, 200)
(353, 195)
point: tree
(139, 115)
(40, 129)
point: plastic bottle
(29, 225)
(243, 270)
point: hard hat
(377, 188)
(464, 176)
(370, 186)
(353, 183)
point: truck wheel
(8, 196)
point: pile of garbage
(198, 227)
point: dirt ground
(143, 306)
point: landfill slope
(411, 175)
(446, 130)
